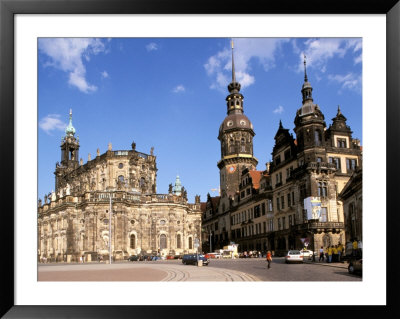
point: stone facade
(74, 219)
(351, 195)
(267, 209)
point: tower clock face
(231, 169)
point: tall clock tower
(236, 137)
(309, 125)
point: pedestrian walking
(334, 254)
(330, 254)
(269, 259)
(339, 250)
(355, 247)
(321, 253)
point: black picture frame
(8, 10)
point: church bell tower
(69, 154)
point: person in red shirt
(269, 259)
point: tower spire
(306, 90)
(233, 65)
(305, 69)
(233, 87)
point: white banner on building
(313, 207)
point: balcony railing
(117, 196)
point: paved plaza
(238, 270)
(138, 271)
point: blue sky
(169, 93)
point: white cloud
(219, 66)
(66, 54)
(178, 89)
(319, 51)
(52, 122)
(349, 81)
(358, 59)
(104, 74)
(152, 47)
(278, 110)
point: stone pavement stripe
(337, 265)
(139, 272)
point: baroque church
(109, 204)
(293, 202)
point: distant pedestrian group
(331, 253)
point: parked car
(133, 258)
(294, 256)
(144, 258)
(307, 253)
(355, 266)
(191, 259)
(170, 257)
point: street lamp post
(312, 232)
(210, 242)
(313, 244)
(109, 233)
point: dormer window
(341, 143)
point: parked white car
(306, 253)
(294, 256)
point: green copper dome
(178, 186)
(70, 130)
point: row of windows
(246, 192)
(286, 155)
(250, 230)
(282, 225)
(280, 201)
(351, 163)
(163, 241)
(253, 212)
(142, 181)
(279, 176)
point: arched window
(163, 241)
(242, 145)
(121, 178)
(178, 241)
(142, 182)
(231, 146)
(133, 241)
(190, 243)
